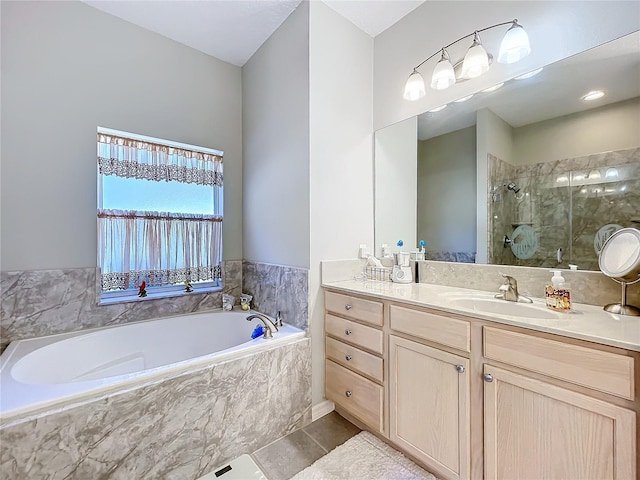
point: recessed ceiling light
(529, 75)
(463, 99)
(593, 95)
(494, 88)
(437, 109)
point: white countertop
(585, 322)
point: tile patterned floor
(282, 459)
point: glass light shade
(443, 75)
(414, 88)
(476, 61)
(515, 45)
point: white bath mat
(364, 457)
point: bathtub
(42, 373)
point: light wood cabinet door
(535, 430)
(429, 406)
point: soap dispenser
(557, 294)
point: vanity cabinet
(472, 398)
(533, 429)
(536, 429)
(354, 365)
(429, 405)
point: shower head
(513, 187)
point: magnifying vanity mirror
(531, 173)
(620, 260)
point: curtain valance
(131, 158)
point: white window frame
(124, 296)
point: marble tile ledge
(584, 322)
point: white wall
(395, 160)
(556, 29)
(341, 169)
(447, 191)
(609, 128)
(275, 114)
(67, 68)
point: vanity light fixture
(514, 47)
(593, 95)
(594, 175)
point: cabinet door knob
(488, 377)
(460, 368)
(347, 307)
(347, 357)
(348, 393)
(347, 332)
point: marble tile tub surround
(178, 428)
(278, 287)
(589, 287)
(46, 302)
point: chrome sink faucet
(509, 290)
(269, 327)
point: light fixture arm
(514, 21)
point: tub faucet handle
(278, 319)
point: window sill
(115, 298)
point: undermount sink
(503, 307)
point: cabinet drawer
(360, 397)
(364, 310)
(352, 332)
(603, 371)
(437, 328)
(354, 358)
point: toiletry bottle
(557, 294)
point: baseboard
(321, 409)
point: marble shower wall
(177, 428)
(277, 287)
(45, 302)
(566, 202)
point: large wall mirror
(530, 173)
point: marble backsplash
(46, 302)
(589, 287)
(277, 287)
(176, 428)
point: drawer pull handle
(347, 307)
(347, 332)
(347, 357)
(348, 393)
(488, 377)
(460, 368)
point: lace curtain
(160, 248)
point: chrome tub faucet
(269, 326)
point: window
(159, 216)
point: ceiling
(232, 30)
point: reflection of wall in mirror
(447, 196)
(395, 185)
(523, 155)
(562, 166)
